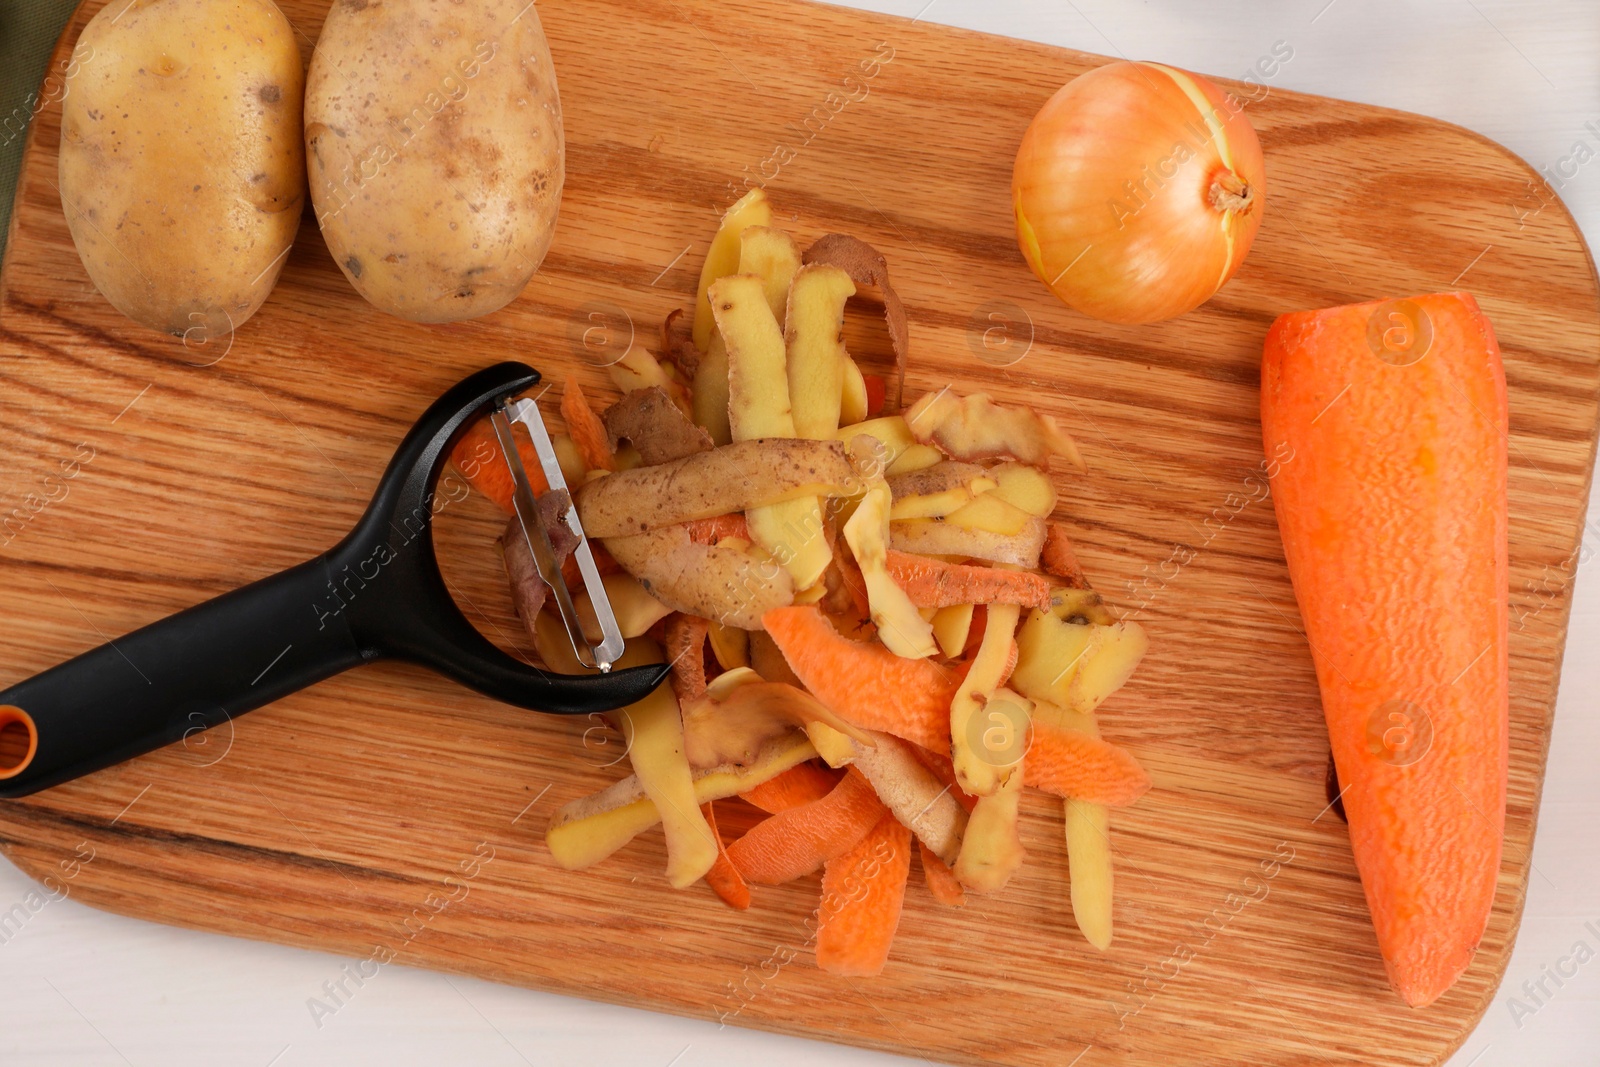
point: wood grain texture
(334, 818)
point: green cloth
(29, 30)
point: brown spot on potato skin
(353, 265)
(270, 94)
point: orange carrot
(686, 652)
(862, 893)
(800, 784)
(723, 877)
(866, 683)
(941, 880)
(1058, 559)
(1070, 764)
(604, 562)
(585, 427)
(1385, 432)
(718, 528)
(931, 583)
(478, 457)
(877, 393)
(796, 842)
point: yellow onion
(1138, 189)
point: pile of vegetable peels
(876, 632)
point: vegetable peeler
(377, 594)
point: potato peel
(866, 266)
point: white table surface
(83, 987)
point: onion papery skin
(1138, 189)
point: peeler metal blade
(606, 653)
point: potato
(1108, 665)
(932, 505)
(950, 628)
(718, 582)
(1025, 487)
(738, 719)
(1049, 651)
(989, 512)
(758, 399)
(710, 396)
(652, 733)
(936, 537)
(852, 392)
(891, 430)
(724, 480)
(866, 266)
(991, 850)
(915, 795)
(771, 255)
(591, 828)
(722, 259)
(1088, 831)
(915, 458)
(433, 139)
(1079, 604)
(635, 609)
(729, 645)
(758, 387)
(902, 630)
(813, 334)
(976, 427)
(946, 474)
(180, 164)
(655, 426)
(985, 748)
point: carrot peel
(723, 877)
(1070, 764)
(862, 894)
(866, 683)
(941, 880)
(932, 583)
(795, 842)
(800, 784)
(588, 433)
(476, 454)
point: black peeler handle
(192, 670)
(377, 594)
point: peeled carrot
(723, 877)
(1385, 432)
(1070, 764)
(800, 784)
(865, 682)
(795, 842)
(862, 894)
(585, 428)
(718, 528)
(478, 457)
(941, 880)
(932, 583)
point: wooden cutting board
(334, 819)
